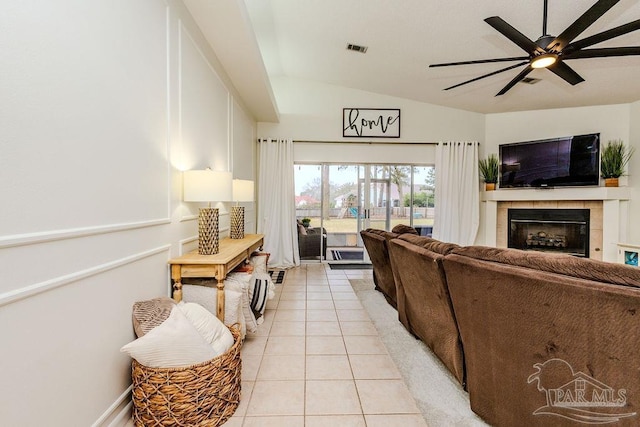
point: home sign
(371, 123)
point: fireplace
(550, 230)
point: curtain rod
(366, 142)
(301, 141)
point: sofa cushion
(442, 248)
(514, 320)
(402, 229)
(424, 305)
(568, 265)
(375, 242)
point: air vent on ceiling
(357, 48)
(530, 80)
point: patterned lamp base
(237, 222)
(208, 232)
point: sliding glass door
(340, 200)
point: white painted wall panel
(95, 98)
(204, 109)
(63, 345)
(244, 151)
(77, 89)
(633, 236)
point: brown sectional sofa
(424, 306)
(376, 243)
(537, 326)
(537, 339)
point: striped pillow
(260, 290)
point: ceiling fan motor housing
(545, 41)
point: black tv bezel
(547, 140)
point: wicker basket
(206, 394)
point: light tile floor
(317, 360)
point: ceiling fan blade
(603, 36)
(480, 61)
(514, 35)
(581, 24)
(493, 73)
(516, 79)
(603, 52)
(561, 69)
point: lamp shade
(207, 186)
(242, 190)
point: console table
(231, 254)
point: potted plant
(489, 169)
(306, 221)
(614, 159)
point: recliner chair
(312, 242)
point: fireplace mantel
(564, 193)
(614, 210)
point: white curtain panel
(457, 210)
(276, 207)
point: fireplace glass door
(550, 230)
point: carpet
(277, 276)
(438, 395)
(350, 266)
(339, 255)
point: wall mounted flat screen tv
(557, 162)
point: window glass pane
(308, 195)
(424, 185)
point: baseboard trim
(119, 413)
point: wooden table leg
(176, 276)
(220, 305)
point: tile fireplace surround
(608, 210)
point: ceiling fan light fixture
(544, 60)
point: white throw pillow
(259, 261)
(240, 282)
(208, 298)
(209, 326)
(174, 343)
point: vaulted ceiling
(307, 39)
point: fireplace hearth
(550, 230)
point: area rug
(339, 255)
(277, 276)
(439, 396)
(350, 266)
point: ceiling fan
(551, 52)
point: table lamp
(242, 192)
(207, 186)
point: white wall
(104, 103)
(634, 174)
(312, 111)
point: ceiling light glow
(544, 61)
